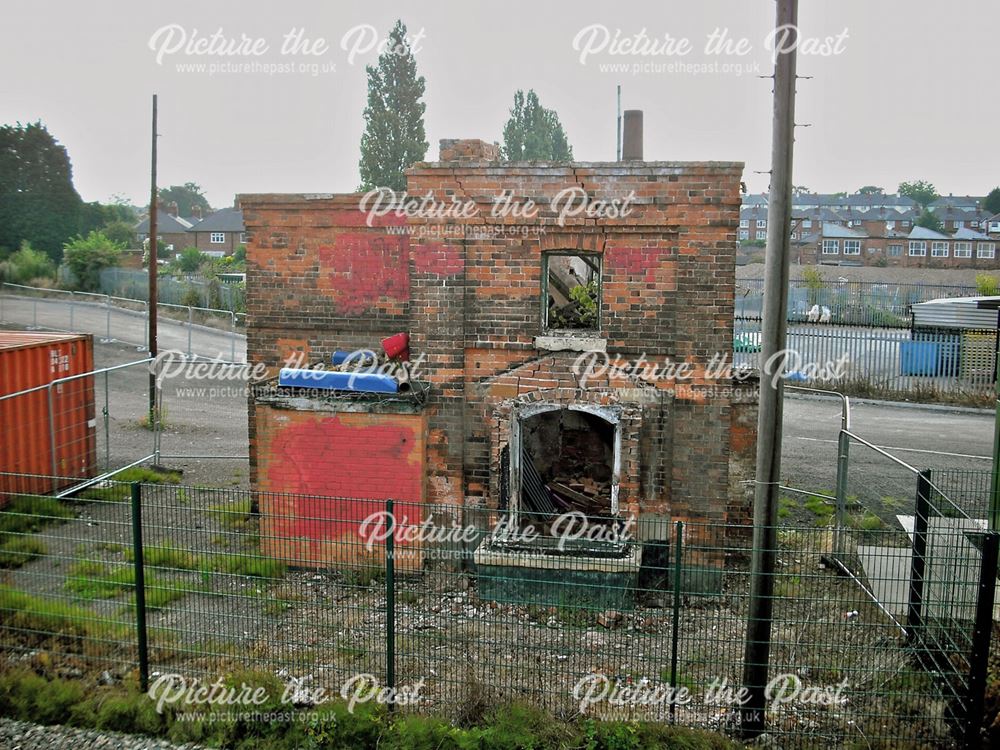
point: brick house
(481, 300)
(874, 244)
(219, 233)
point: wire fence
(843, 302)
(588, 618)
(192, 291)
(124, 319)
(878, 362)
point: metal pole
(190, 323)
(390, 604)
(107, 424)
(918, 563)
(151, 307)
(981, 635)
(768, 477)
(140, 587)
(995, 479)
(232, 338)
(675, 635)
(71, 321)
(107, 334)
(618, 127)
(52, 437)
(843, 452)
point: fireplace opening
(567, 463)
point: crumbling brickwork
(469, 292)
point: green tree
(928, 220)
(987, 285)
(191, 259)
(38, 202)
(533, 133)
(120, 232)
(87, 256)
(923, 193)
(815, 283)
(394, 136)
(871, 190)
(186, 196)
(992, 201)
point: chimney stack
(196, 212)
(632, 135)
(172, 208)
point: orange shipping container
(50, 432)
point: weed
(26, 514)
(235, 516)
(42, 617)
(118, 489)
(15, 551)
(867, 522)
(167, 555)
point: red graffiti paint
(326, 457)
(363, 269)
(636, 261)
(438, 259)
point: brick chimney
(632, 135)
(470, 149)
(172, 208)
(196, 212)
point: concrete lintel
(571, 343)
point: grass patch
(15, 551)
(785, 506)
(235, 516)
(24, 515)
(123, 708)
(820, 508)
(866, 522)
(93, 580)
(21, 611)
(116, 493)
(254, 566)
(168, 556)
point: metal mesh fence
(577, 615)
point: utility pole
(765, 508)
(152, 278)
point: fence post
(107, 332)
(675, 627)
(145, 326)
(390, 605)
(190, 323)
(71, 321)
(914, 613)
(232, 338)
(843, 448)
(52, 435)
(981, 634)
(34, 313)
(140, 587)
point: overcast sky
(909, 93)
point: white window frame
(852, 247)
(918, 248)
(217, 238)
(963, 249)
(744, 223)
(986, 250)
(761, 234)
(831, 247)
(243, 238)
(762, 223)
(895, 251)
(744, 234)
(939, 249)
(807, 223)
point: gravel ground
(21, 735)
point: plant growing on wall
(394, 136)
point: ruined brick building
(483, 299)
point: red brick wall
(319, 279)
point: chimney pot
(632, 135)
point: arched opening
(566, 461)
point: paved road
(126, 326)
(926, 439)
